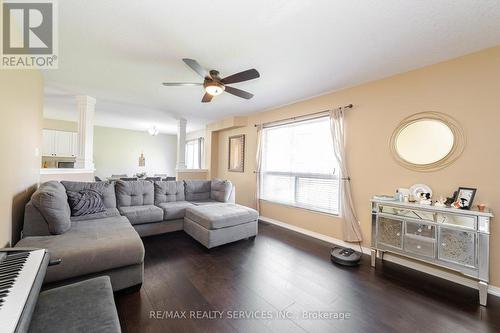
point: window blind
(299, 167)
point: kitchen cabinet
(48, 138)
(59, 143)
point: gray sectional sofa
(108, 242)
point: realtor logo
(29, 35)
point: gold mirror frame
(236, 142)
(459, 141)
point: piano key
(14, 258)
(18, 255)
(15, 270)
(9, 275)
(13, 261)
(16, 267)
(5, 268)
(9, 269)
(6, 281)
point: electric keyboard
(21, 275)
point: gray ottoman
(86, 306)
(217, 224)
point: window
(299, 167)
(194, 153)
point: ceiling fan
(213, 84)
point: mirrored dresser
(447, 237)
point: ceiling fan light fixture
(214, 88)
(214, 85)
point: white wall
(117, 151)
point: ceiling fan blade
(241, 76)
(174, 84)
(238, 92)
(195, 66)
(206, 98)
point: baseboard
(493, 290)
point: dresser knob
(418, 246)
(398, 234)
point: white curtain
(258, 165)
(351, 228)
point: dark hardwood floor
(288, 272)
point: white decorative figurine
(440, 202)
(425, 199)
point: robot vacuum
(345, 256)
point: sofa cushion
(86, 306)
(142, 214)
(168, 191)
(52, 202)
(90, 247)
(174, 210)
(85, 202)
(197, 190)
(134, 193)
(220, 190)
(221, 215)
(204, 202)
(108, 212)
(106, 189)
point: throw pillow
(85, 202)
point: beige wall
(117, 151)
(60, 125)
(196, 134)
(192, 175)
(465, 88)
(21, 105)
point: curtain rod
(349, 106)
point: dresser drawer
(463, 221)
(390, 232)
(457, 246)
(405, 212)
(422, 246)
(421, 229)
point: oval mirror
(427, 141)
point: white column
(86, 110)
(181, 143)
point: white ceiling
(121, 52)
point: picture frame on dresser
(464, 198)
